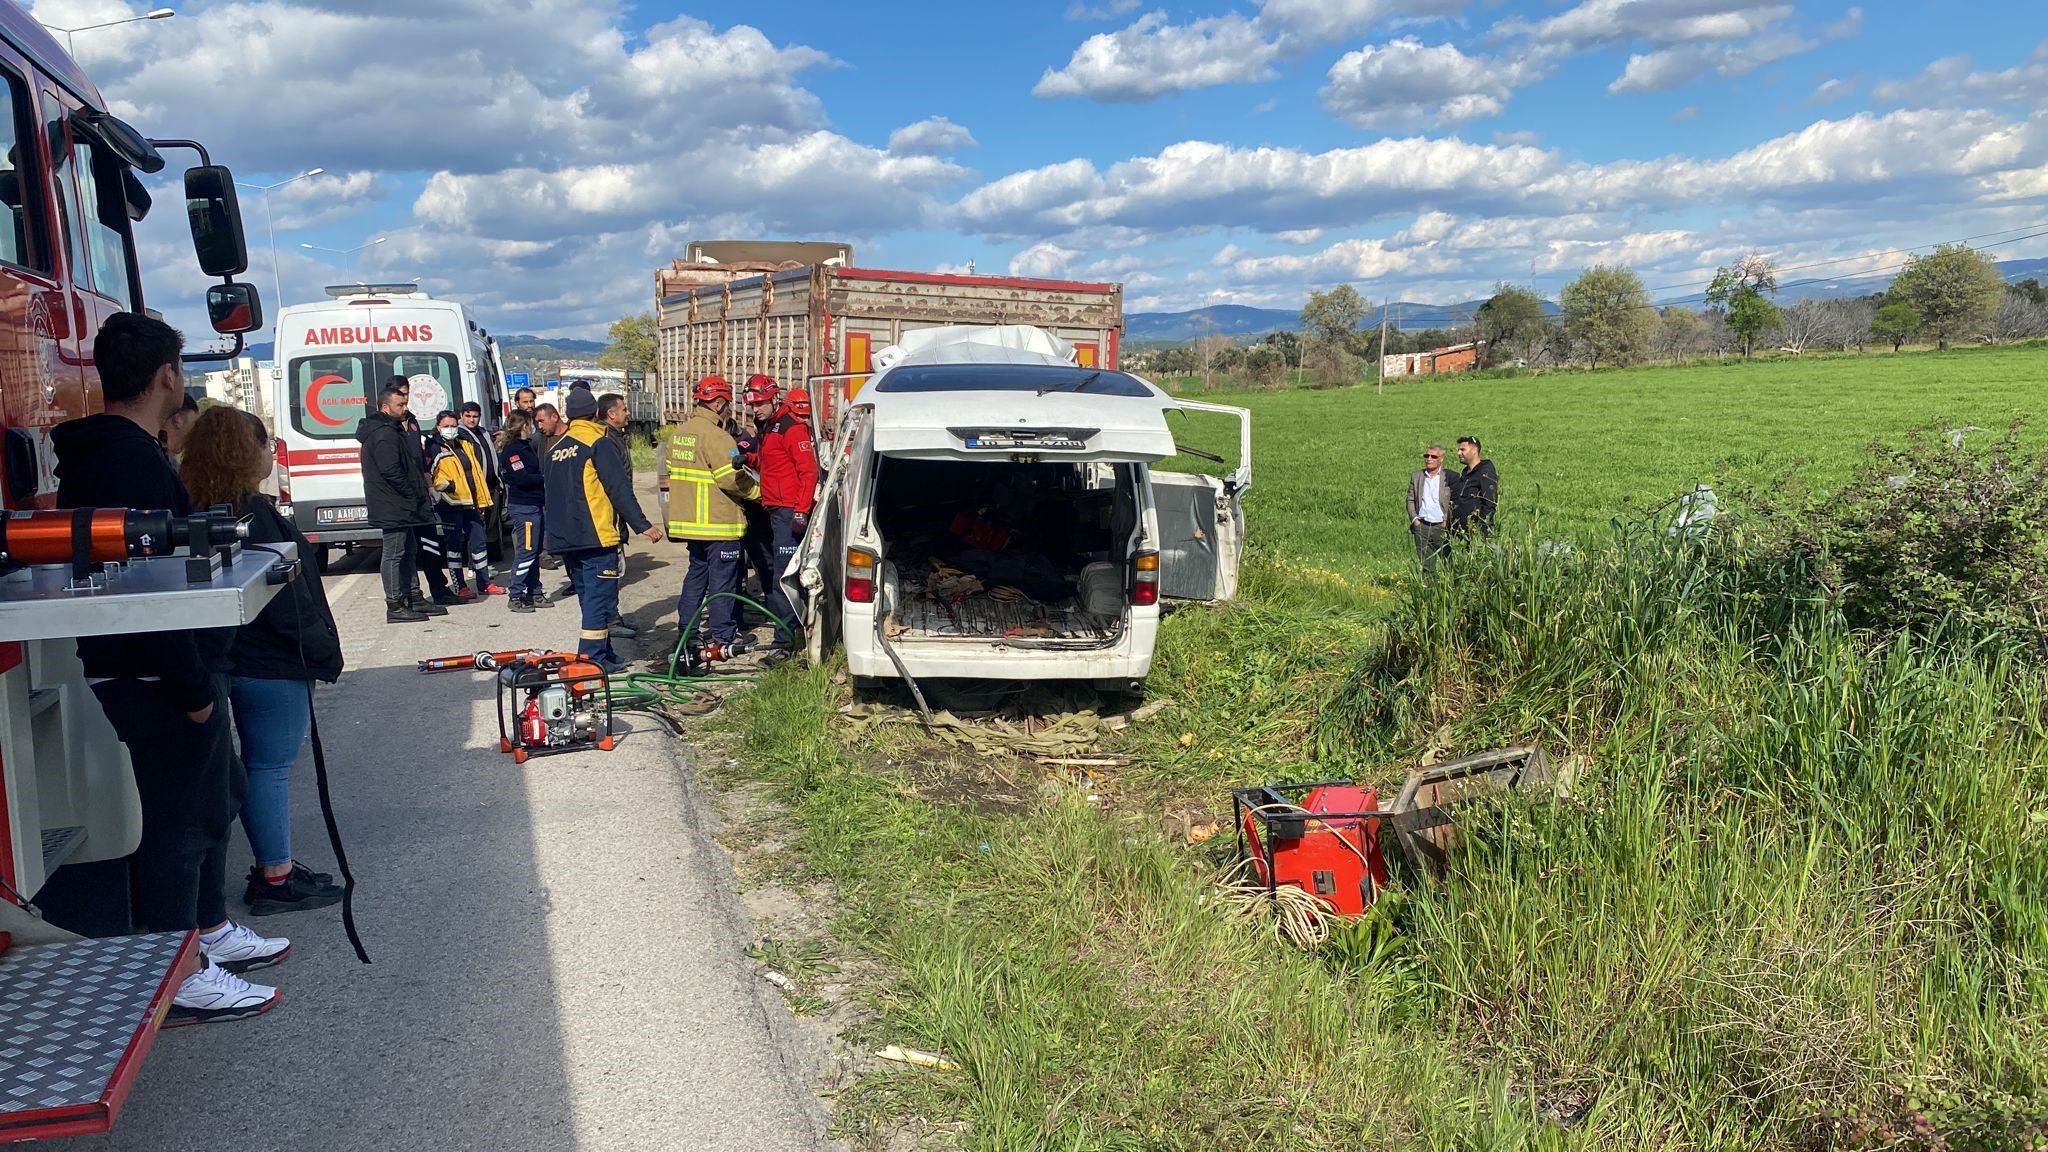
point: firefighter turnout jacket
(588, 491)
(789, 464)
(459, 475)
(704, 482)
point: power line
(1879, 251)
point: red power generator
(1323, 838)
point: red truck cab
(72, 187)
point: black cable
(348, 878)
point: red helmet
(761, 389)
(799, 402)
(712, 388)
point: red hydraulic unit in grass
(1329, 838)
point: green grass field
(1330, 468)
(1797, 897)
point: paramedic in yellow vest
(701, 474)
(462, 494)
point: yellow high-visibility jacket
(459, 476)
(704, 482)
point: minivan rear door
(1201, 515)
(811, 580)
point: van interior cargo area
(1002, 551)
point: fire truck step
(58, 845)
(76, 1021)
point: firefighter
(700, 469)
(587, 495)
(789, 483)
(748, 427)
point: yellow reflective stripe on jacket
(700, 470)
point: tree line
(1605, 318)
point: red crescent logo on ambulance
(313, 402)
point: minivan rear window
(1010, 378)
(330, 394)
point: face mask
(450, 433)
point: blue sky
(541, 159)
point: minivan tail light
(1145, 579)
(860, 576)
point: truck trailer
(822, 324)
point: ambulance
(332, 359)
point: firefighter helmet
(799, 402)
(761, 389)
(712, 388)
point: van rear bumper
(305, 515)
(1130, 658)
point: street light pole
(71, 48)
(276, 280)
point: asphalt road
(557, 946)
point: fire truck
(77, 1013)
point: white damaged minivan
(989, 512)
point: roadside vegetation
(1796, 895)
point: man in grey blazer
(1430, 501)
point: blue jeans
(528, 529)
(271, 718)
(594, 573)
(714, 568)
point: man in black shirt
(165, 693)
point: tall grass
(1797, 876)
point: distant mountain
(1239, 320)
(570, 349)
(1798, 288)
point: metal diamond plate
(67, 1012)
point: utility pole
(1385, 303)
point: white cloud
(1681, 116)
(558, 154)
(1311, 22)
(1949, 80)
(1909, 155)
(1152, 58)
(1830, 91)
(1687, 39)
(1405, 83)
(930, 137)
(1850, 25)
(1109, 11)
(1528, 138)
(1044, 259)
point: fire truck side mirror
(234, 307)
(216, 218)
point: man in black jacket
(165, 693)
(1477, 491)
(395, 495)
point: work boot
(399, 612)
(447, 598)
(424, 606)
(520, 604)
(622, 630)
